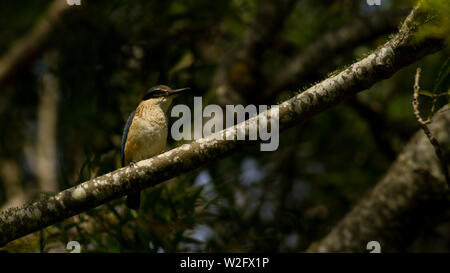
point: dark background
(63, 110)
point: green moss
(435, 22)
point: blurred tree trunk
(29, 47)
(46, 146)
(411, 197)
(10, 174)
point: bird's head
(162, 96)
(163, 91)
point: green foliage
(443, 79)
(441, 91)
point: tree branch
(357, 32)
(412, 196)
(381, 64)
(30, 46)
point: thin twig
(426, 130)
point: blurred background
(70, 75)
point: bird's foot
(132, 164)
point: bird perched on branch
(145, 133)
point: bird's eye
(156, 93)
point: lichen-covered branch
(381, 64)
(412, 196)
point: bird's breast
(147, 135)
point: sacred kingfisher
(145, 133)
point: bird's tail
(134, 200)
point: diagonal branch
(328, 45)
(381, 64)
(31, 46)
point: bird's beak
(178, 91)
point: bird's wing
(125, 136)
